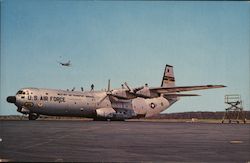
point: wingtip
(220, 86)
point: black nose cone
(11, 99)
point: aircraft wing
(166, 90)
(174, 95)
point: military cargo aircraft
(117, 104)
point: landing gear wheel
(33, 116)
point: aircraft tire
(33, 116)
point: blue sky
(206, 42)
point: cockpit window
(20, 92)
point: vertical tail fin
(168, 79)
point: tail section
(168, 79)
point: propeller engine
(126, 93)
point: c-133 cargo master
(117, 104)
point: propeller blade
(138, 89)
(127, 86)
(108, 93)
(109, 85)
(102, 99)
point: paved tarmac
(91, 141)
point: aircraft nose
(11, 99)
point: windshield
(20, 92)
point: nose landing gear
(33, 116)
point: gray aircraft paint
(114, 104)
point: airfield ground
(53, 118)
(137, 141)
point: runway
(91, 141)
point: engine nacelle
(123, 93)
(144, 92)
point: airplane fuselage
(116, 104)
(84, 104)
